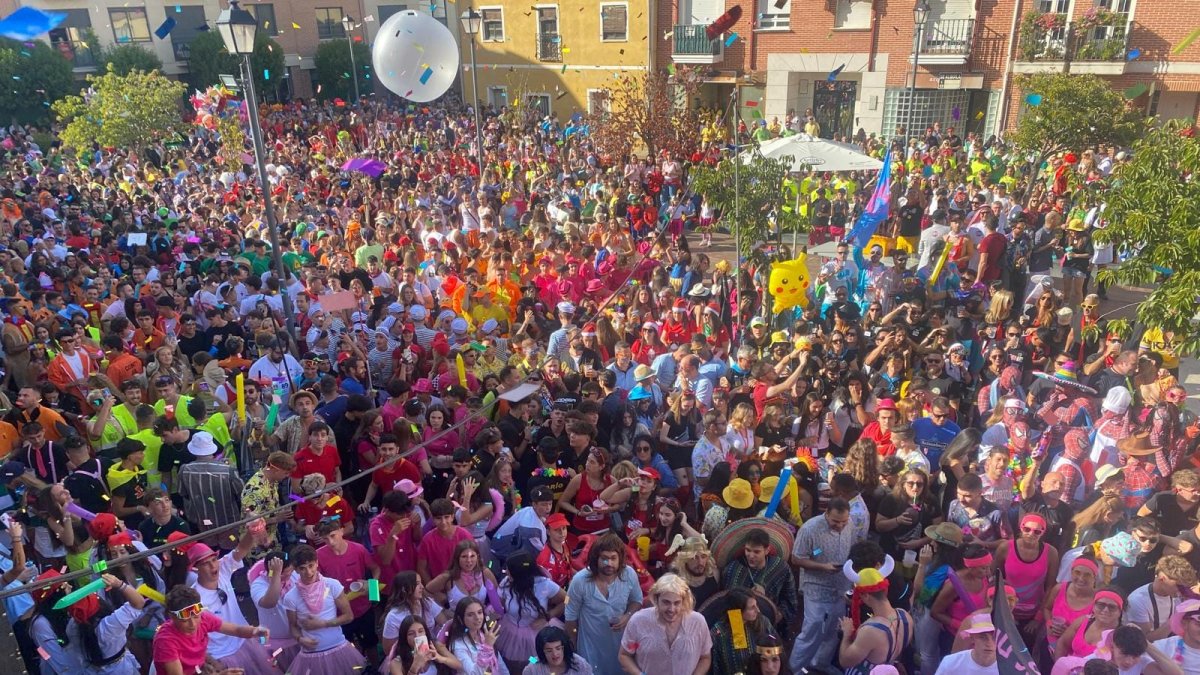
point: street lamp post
(471, 23)
(348, 25)
(238, 28)
(920, 16)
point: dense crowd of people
(493, 414)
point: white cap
(1117, 400)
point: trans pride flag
(877, 208)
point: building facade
(561, 58)
(968, 54)
(298, 26)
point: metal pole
(272, 227)
(353, 67)
(737, 202)
(912, 86)
(475, 92)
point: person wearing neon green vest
(151, 441)
(124, 414)
(168, 395)
(217, 425)
(127, 481)
(103, 429)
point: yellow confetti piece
(1187, 41)
(566, 50)
(332, 501)
(266, 24)
(295, 25)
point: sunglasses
(644, 448)
(1106, 606)
(915, 483)
(1033, 530)
(188, 612)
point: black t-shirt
(1172, 519)
(174, 455)
(910, 220)
(892, 506)
(86, 488)
(1058, 520)
(946, 386)
(154, 534)
(134, 493)
(555, 479)
(190, 346)
(771, 436)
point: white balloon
(408, 44)
(227, 179)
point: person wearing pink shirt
(437, 547)
(395, 534)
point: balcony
(689, 44)
(549, 47)
(946, 42)
(1096, 44)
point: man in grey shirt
(932, 234)
(211, 489)
(822, 547)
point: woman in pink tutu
(531, 601)
(317, 609)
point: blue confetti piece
(1133, 54)
(426, 75)
(1034, 99)
(816, 552)
(165, 29)
(266, 74)
(731, 39)
(178, 9)
(28, 23)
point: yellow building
(562, 58)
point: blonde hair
(623, 469)
(742, 417)
(1177, 569)
(1097, 511)
(672, 583)
(1000, 307)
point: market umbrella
(729, 543)
(817, 153)
(371, 167)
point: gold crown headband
(769, 651)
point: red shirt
(560, 568)
(325, 464)
(385, 478)
(993, 245)
(326, 506)
(883, 439)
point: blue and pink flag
(877, 208)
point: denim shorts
(1073, 273)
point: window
(69, 41)
(774, 14)
(1056, 6)
(190, 19)
(385, 12)
(549, 44)
(329, 23)
(614, 22)
(540, 103)
(853, 14)
(598, 101)
(497, 97)
(493, 24)
(265, 13)
(129, 25)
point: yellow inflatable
(789, 283)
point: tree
(209, 60)
(124, 111)
(755, 205)
(334, 70)
(1153, 216)
(649, 111)
(35, 76)
(1074, 112)
(127, 58)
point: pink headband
(1035, 518)
(1088, 563)
(1110, 596)
(982, 561)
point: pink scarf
(313, 594)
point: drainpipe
(1008, 61)
(874, 36)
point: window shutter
(613, 21)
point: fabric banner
(1012, 656)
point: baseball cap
(556, 520)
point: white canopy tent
(817, 153)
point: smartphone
(420, 643)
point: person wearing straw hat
(981, 658)
(768, 574)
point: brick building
(970, 51)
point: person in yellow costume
(484, 308)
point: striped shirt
(211, 493)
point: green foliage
(1153, 215)
(33, 78)
(127, 58)
(209, 60)
(757, 205)
(1077, 111)
(334, 70)
(126, 111)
